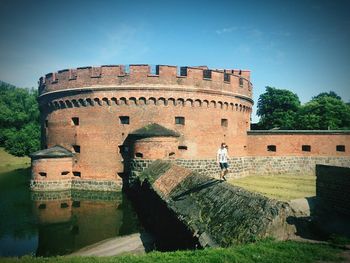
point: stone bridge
(206, 211)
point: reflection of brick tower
(71, 220)
(91, 112)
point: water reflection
(18, 230)
(68, 221)
(57, 223)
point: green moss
(154, 170)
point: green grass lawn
(13, 170)
(281, 187)
(9, 162)
(262, 251)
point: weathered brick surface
(50, 169)
(99, 96)
(333, 188)
(243, 166)
(170, 179)
(289, 143)
(157, 148)
(217, 213)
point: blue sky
(303, 46)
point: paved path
(137, 243)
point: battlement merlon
(234, 80)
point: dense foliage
(277, 108)
(281, 109)
(19, 120)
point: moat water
(59, 223)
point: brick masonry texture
(244, 166)
(92, 112)
(333, 188)
(217, 213)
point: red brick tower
(91, 111)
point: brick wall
(290, 143)
(100, 96)
(333, 188)
(244, 166)
(215, 106)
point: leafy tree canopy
(331, 94)
(324, 112)
(277, 108)
(281, 108)
(19, 120)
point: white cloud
(125, 41)
(226, 30)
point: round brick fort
(101, 119)
(92, 110)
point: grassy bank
(281, 187)
(13, 170)
(263, 251)
(9, 162)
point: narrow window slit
(180, 120)
(224, 122)
(271, 148)
(340, 148)
(75, 121)
(306, 148)
(182, 147)
(124, 119)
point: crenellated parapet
(232, 80)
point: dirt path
(137, 243)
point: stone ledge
(244, 166)
(92, 185)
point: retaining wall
(89, 185)
(244, 166)
(333, 188)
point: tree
(277, 108)
(331, 94)
(324, 111)
(19, 120)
